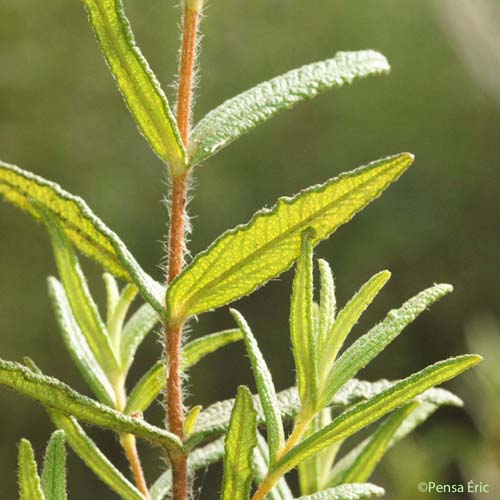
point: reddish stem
(173, 333)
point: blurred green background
(61, 117)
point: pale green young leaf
(355, 491)
(53, 393)
(201, 347)
(314, 472)
(77, 345)
(302, 331)
(261, 465)
(154, 380)
(377, 339)
(365, 463)
(242, 113)
(93, 457)
(54, 468)
(80, 299)
(327, 304)
(214, 420)
(240, 442)
(135, 331)
(112, 295)
(265, 388)
(86, 232)
(348, 317)
(30, 486)
(424, 410)
(367, 412)
(136, 81)
(270, 242)
(115, 324)
(190, 420)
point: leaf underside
(247, 256)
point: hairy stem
(173, 333)
(130, 448)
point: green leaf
(92, 456)
(136, 81)
(82, 304)
(347, 492)
(154, 381)
(54, 468)
(88, 451)
(365, 463)
(135, 331)
(313, 472)
(86, 232)
(261, 465)
(115, 324)
(112, 295)
(190, 420)
(30, 487)
(199, 348)
(302, 331)
(242, 113)
(423, 411)
(77, 345)
(348, 317)
(367, 412)
(265, 388)
(246, 257)
(240, 441)
(377, 339)
(214, 420)
(53, 393)
(327, 302)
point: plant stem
(130, 448)
(173, 333)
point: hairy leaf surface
(240, 442)
(265, 388)
(53, 393)
(136, 81)
(87, 232)
(353, 491)
(372, 343)
(328, 302)
(54, 468)
(242, 113)
(363, 414)
(30, 486)
(246, 257)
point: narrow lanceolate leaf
(367, 412)
(348, 317)
(77, 345)
(376, 340)
(112, 295)
(246, 257)
(87, 232)
(54, 468)
(199, 348)
(154, 381)
(265, 388)
(134, 332)
(365, 463)
(302, 328)
(93, 457)
(242, 113)
(190, 420)
(30, 487)
(53, 393)
(347, 492)
(214, 420)
(261, 464)
(424, 410)
(115, 323)
(136, 81)
(82, 304)
(240, 441)
(327, 303)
